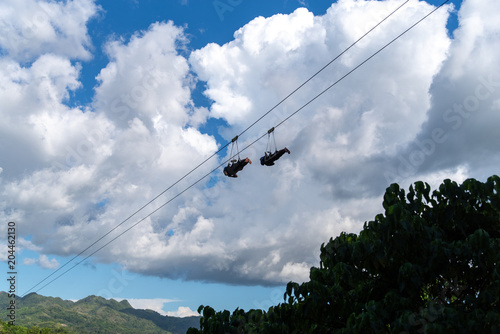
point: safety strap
(269, 145)
(233, 143)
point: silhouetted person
(235, 167)
(269, 158)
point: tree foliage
(11, 329)
(429, 264)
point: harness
(234, 143)
(270, 143)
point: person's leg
(279, 153)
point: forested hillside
(92, 315)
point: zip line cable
(227, 144)
(151, 213)
(328, 64)
(222, 148)
(362, 63)
(127, 219)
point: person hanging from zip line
(269, 158)
(235, 166)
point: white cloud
(297, 272)
(155, 304)
(72, 174)
(33, 27)
(367, 116)
(81, 167)
(182, 312)
(157, 91)
(158, 305)
(43, 261)
(460, 131)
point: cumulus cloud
(182, 312)
(72, 174)
(82, 166)
(156, 91)
(43, 261)
(155, 304)
(460, 130)
(34, 27)
(158, 305)
(363, 117)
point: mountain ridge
(92, 314)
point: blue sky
(103, 114)
(205, 22)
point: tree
(430, 264)
(14, 329)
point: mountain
(92, 314)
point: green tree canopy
(429, 264)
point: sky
(107, 104)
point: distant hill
(92, 315)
